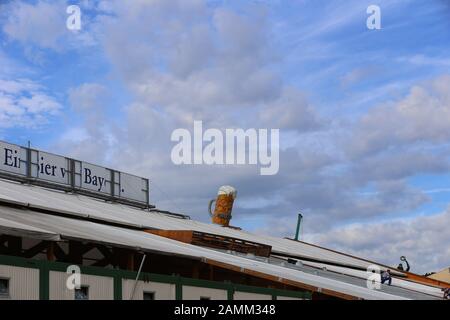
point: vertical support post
(137, 276)
(299, 221)
(51, 251)
(125, 258)
(178, 288)
(75, 252)
(230, 291)
(15, 245)
(72, 173)
(44, 281)
(130, 261)
(147, 193)
(211, 272)
(28, 163)
(195, 271)
(117, 287)
(113, 184)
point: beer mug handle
(210, 206)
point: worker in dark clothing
(386, 277)
(400, 265)
(446, 293)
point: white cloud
(291, 111)
(89, 98)
(208, 59)
(9, 67)
(423, 240)
(24, 103)
(39, 103)
(41, 24)
(420, 117)
(94, 139)
(423, 60)
(221, 72)
(357, 75)
(75, 134)
(183, 60)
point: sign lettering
(57, 169)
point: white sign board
(13, 158)
(52, 167)
(131, 185)
(95, 178)
(73, 174)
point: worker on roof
(386, 277)
(446, 293)
(400, 265)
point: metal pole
(28, 161)
(299, 221)
(137, 276)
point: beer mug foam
(227, 190)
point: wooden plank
(425, 280)
(210, 240)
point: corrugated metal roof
(396, 282)
(85, 207)
(79, 229)
(360, 278)
(14, 228)
(38, 197)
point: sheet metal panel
(13, 228)
(163, 291)
(23, 282)
(239, 295)
(88, 207)
(83, 206)
(396, 282)
(360, 280)
(100, 288)
(79, 229)
(195, 293)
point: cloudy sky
(364, 115)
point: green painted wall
(46, 266)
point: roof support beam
(51, 251)
(33, 251)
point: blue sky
(364, 115)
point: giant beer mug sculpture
(224, 205)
